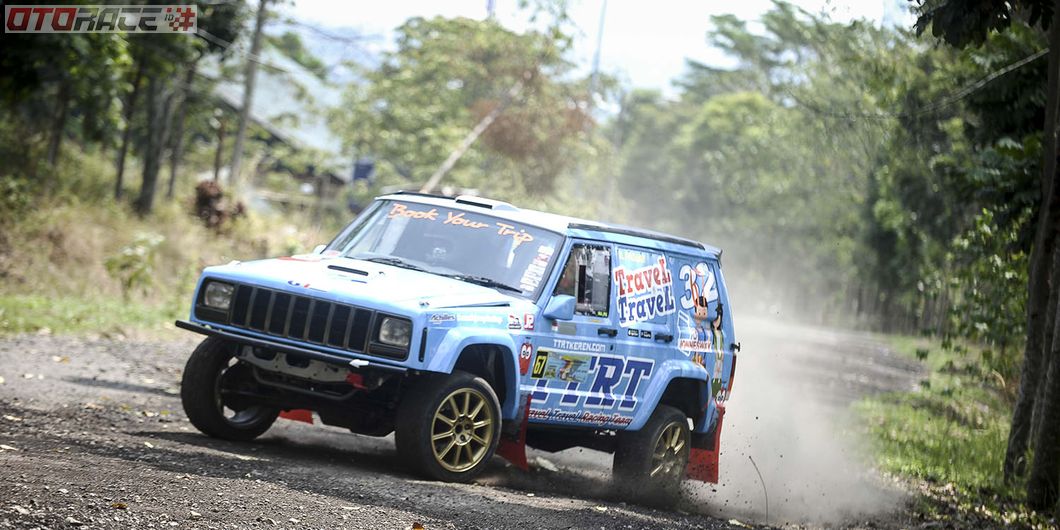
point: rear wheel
(449, 426)
(651, 462)
(212, 372)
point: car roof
(570, 226)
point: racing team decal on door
(566, 382)
(644, 287)
(701, 322)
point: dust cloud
(790, 413)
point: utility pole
(596, 55)
(480, 128)
(248, 95)
(593, 78)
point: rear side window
(587, 277)
(644, 287)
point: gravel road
(92, 435)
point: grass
(36, 313)
(73, 260)
(948, 439)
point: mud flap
(302, 415)
(703, 461)
(513, 447)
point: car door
(576, 377)
(644, 308)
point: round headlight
(218, 295)
(395, 332)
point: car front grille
(302, 318)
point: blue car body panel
(602, 371)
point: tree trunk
(1038, 290)
(177, 143)
(126, 135)
(219, 153)
(248, 97)
(1043, 485)
(322, 191)
(59, 125)
(159, 112)
(1047, 342)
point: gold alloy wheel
(665, 459)
(462, 430)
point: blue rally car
(469, 327)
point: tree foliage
(851, 174)
(444, 76)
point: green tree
(443, 78)
(45, 78)
(963, 23)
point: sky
(644, 43)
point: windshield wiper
(484, 281)
(396, 262)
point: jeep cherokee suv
(469, 327)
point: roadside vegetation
(947, 439)
(886, 178)
(74, 261)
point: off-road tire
(200, 395)
(637, 455)
(417, 426)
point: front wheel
(652, 460)
(448, 426)
(211, 372)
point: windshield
(497, 253)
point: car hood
(362, 282)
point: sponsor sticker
(535, 271)
(514, 322)
(566, 367)
(596, 418)
(644, 293)
(519, 236)
(609, 381)
(525, 351)
(306, 285)
(442, 318)
(478, 318)
(539, 364)
(578, 345)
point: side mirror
(319, 248)
(560, 307)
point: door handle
(664, 337)
(610, 332)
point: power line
(355, 39)
(209, 37)
(934, 106)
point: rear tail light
(732, 376)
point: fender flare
(458, 339)
(669, 371)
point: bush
(134, 265)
